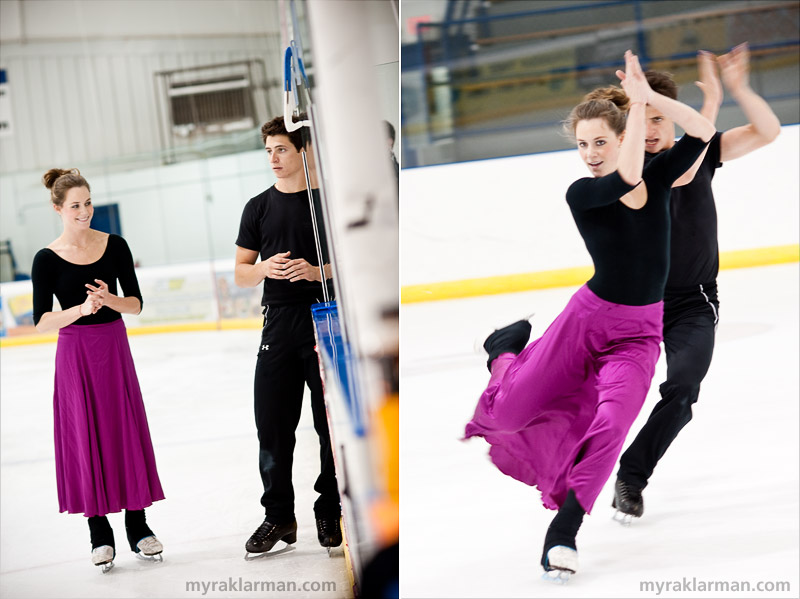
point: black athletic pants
(690, 319)
(286, 363)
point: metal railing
(489, 74)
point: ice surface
(722, 505)
(198, 395)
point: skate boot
(510, 339)
(150, 549)
(560, 562)
(329, 532)
(267, 534)
(104, 556)
(627, 501)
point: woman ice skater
(556, 412)
(104, 456)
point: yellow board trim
(411, 294)
(568, 277)
(223, 325)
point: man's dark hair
(662, 83)
(389, 131)
(277, 127)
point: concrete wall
(81, 72)
(174, 214)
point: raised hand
(709, 82)
(633, 80)
(735, 68)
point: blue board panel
(338, 357)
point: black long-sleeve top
(631, 248)
(52, 275)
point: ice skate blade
(623, 518)
(106, 567)
(557, 576)
(249, 557)
(157, 558)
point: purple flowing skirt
(104, 456)
(556, 416)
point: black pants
(286, 363)
(690, 319)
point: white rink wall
(509, 215)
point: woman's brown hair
(609, 103)
(60, 181)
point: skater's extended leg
(547, 369)
(511, 339)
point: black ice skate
(329, 532)
(266, 535)
(628, 501)
(510, 339)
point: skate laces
(629, 492)
(328, 527)
(263, 532)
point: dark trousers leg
(136, 528)
(689, 328)
(327, 504)
(100, 532)
(278, 390)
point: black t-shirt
(694, 254)
(274, 222)
(630, 248)
(52, 275)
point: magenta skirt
(104, 456)
(556, 416)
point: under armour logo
(264, 347)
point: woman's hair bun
(611, 93)
(50, 177)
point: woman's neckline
(105, 249)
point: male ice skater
(277, 224)
(691, 308)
